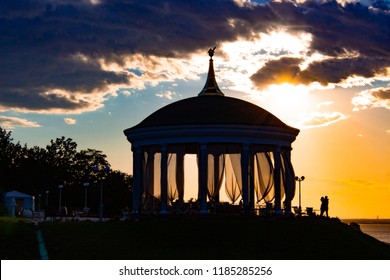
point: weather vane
(211, 51)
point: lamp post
(86, 185)
(39, 202)
(60, 187)
(47, 198)
(300, 179)
(106, 169)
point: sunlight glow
(243, 58)
(286, 101)
(282, 42)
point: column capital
(277, 149)
(136, 148)
(203, 146)
(164, 147)
(245, 146)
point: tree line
(41, 172)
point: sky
(88, 69)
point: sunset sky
(88, 69)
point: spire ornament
(211, 86)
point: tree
(36, 170)
(10, 155)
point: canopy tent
(16, 202)
(239, 146)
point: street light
(86, 185)
(106, 169)
(39, 202)
(47, 199)
(300, 179)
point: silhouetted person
(324, 206)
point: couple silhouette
(324, 206)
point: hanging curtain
(289, 184)
(233, 181)
(264, 177)
(148, 182)
(157, 175)
(215, 173)
(148, 171)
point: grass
(17, 239)
(196, 238)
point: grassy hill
(194, 238)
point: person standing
(326, 205)
(322, 208)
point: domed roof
(211, 109)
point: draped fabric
(150, 190)
(215, 175)
(224, 170)
(263, 177)
(176, 174)
(172, 186)
(289, 178)
(233, 181)
(148, 172)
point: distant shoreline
(366, 221)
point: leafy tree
(37, 171)
(10, 155)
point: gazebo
(238, 145)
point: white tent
(16, 202)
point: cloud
(317, 119)
(12, 122)
(166, 94)
(70, 56)
(283, 70)
(388, 132)
(326, 71)
(325, 103)
(372, 98)
(70, 121)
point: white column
(137, 179)
(277, 180)
(203, 178)
(245, 176)
(164, 180)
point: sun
(286, 101)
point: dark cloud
(354, 37)
(331, 70)
(284, 70)
(382, 94)
(41, 39)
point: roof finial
(211, 87)
(211, 51)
